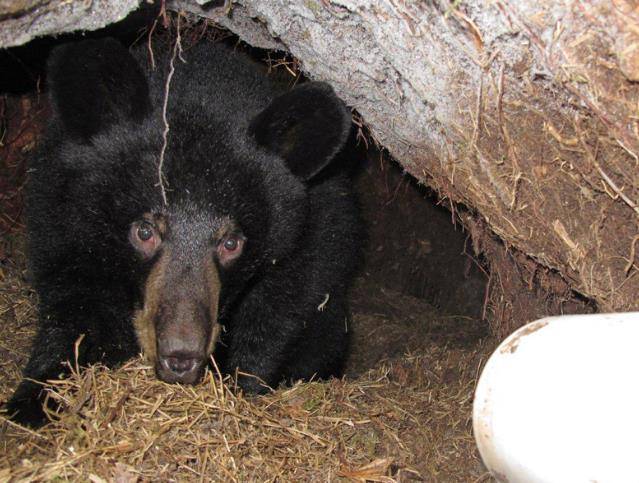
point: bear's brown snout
(177, 327)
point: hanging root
(177, 51)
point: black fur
(239, 146)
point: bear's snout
(177, 327)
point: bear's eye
(145, 238)
(145, 232)
(230, 248)
(231, 244)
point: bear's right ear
(94, 84)
(307, 126)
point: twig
(636, 158)
(322, 306)
(149, 45)
(602, 173)
(484, 477)
(22, 428)
(500, 98)
(631, 262)
(484, 309)
(615, 188)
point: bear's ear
(306, 126)
(94, 84)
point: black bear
(224, 235)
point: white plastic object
(558, 401)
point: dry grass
(17, 312)
(127, 424)
(406, 419)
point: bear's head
(192, 224)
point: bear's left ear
(95, 84)
(306, 126)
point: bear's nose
(178, 364)
(180, 367)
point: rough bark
(525, 111)
(23, 20)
